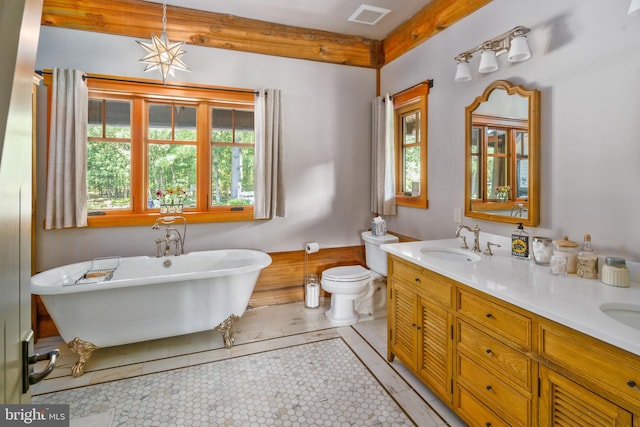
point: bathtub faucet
(172, 236)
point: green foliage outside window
(108, 175)
(172, 166)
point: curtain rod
(426, 82)
(114, 79)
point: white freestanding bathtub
(148, 298)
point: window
(411, 146)
(153, 148)
(500, 160)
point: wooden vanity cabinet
(496, 364)
(420, 330)
(493, 368)
(586, 380)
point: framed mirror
(502, 172)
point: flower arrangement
(171, 199)
(503, 192)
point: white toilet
(353, 283)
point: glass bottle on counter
(568, 249)
(587, 265)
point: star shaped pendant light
(161, 54)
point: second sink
(629, 314)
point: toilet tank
(376, 257)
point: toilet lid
(349, 273)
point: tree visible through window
(232, 159)
(149, 145)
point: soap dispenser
(520, 243)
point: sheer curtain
(383, 185)
(66, 200)
(269, 198)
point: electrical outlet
(457, 215)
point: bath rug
(98, 420)
(320, 383)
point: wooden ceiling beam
(433, 18)
(136, 18)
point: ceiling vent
(369, 15)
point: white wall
(586, 63)
(327, 148)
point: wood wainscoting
(280, 283)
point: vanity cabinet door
(564, 403)
(420, 331)
(402, 326)
(435, 361)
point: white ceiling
(327, 15)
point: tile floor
(280, 327)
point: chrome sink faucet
(476, 237)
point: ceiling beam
(433, 18)
(136, 18)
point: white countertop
(570, 300)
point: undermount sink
(451, 254)
(629, 314)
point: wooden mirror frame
(533, 96)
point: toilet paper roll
(312, 247)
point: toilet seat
(349, 273)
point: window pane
(522, 178)
(411, 128)
(522, 143)
(496, 141)
(475, 140)
(160, 122)
(185, 123)
(171, 167)
(411, 163)
(232, 171)
(475, 177)
(118, 119)
(244, 127)
(94, 128)
(496, 174)
(222, 125)
(108, 175)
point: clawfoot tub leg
(83, 349)
(225, 329)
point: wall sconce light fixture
(513, 42)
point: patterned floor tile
(320, 383)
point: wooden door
(19, 30)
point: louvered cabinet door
(565, 403)
(403, 332)
(435, 342)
